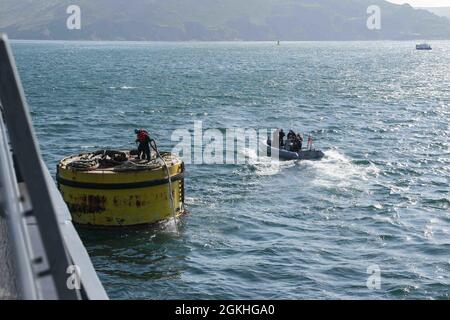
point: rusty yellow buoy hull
(126, 194)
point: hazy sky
(424, 3)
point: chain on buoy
(155, 148)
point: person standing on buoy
(143, 138)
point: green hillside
(174, 20)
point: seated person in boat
(291, 135)
(300, 141)
(294, 142)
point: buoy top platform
(115, 188)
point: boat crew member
(300, 141)
(291, 135)
(281, 136)
(278, 135)
(143, 138)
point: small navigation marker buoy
(278, 42)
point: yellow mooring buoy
(114, 188)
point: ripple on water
(266, 229)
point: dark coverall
(144, 146)
(281, 136)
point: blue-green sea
(312, 230)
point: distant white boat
(423, 46)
